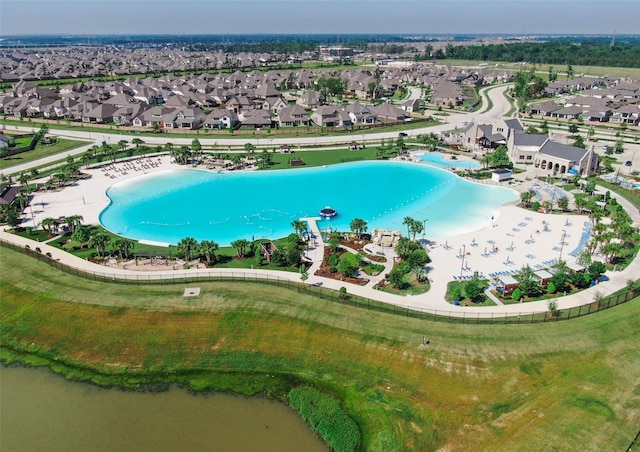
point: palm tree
(123, 145)
(299, 226)
(358, 226)
(241, 246)
(209, 248)
(82, 234)
(47, 224)
(408, 221)
(99, 241)
(74, 221)
(188, 247)
(527, 196)
(124, 246)
(416, 227)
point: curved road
(493, 97)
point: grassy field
(564, 386)
(41, 151)
(326, 157)
(598, 71)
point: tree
(408, 221)
(48, 224)
(358, 226)
(81, 235)
(241, 246)
(74, 221)
(417, 260)
(416, 227)
(137, 142)
(544, 128)
(579, 143)
(396, 277)
(527, 196)
(124, 246)
(99, 241)
(304, 274)
(188, 247)
(619, 148)
(500, 158)
(209, 248)
(553, 75)
(299, 226)
(569, 71)
(123, 145)
(474, 290)
(196, 146)
(405, 247)
(573, 128)
(346, 267)
(563, 203)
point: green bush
(325, 417)
(535, 206)
(551, 288)
(517, 294)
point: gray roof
(513, 124)
(563, 151)
(529, 139)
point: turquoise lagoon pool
(438, 159)
(224, 207)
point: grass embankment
(41, 150)
(570, 385)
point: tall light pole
(464, 251)
(424, 227)
(564, 233)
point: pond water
(41, 411)
(224, 207)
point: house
(220, 118)
(101, 114)
(331, 116)
(274, 104)
(389, 112)
(189, 118)
(155, 115)
(256, 119)
(445, 92)
(125, 115)
(412, 105)
(544, 108)
(360, 114)
(311, 99)
(629, 114)
(293, 115)
(8, 194)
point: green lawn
(571, 384)
(328, 157)
(40, 151)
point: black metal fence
(458, 316)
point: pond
(43, 411)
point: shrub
(333, 259)
(516, 295)
(333, 269)
(326, 417)
(535, 206)
(551, 288)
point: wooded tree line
(595, 52)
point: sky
(420, 17)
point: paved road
(499, 106)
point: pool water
(439, 159)
(224, 207)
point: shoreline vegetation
(401, 392)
